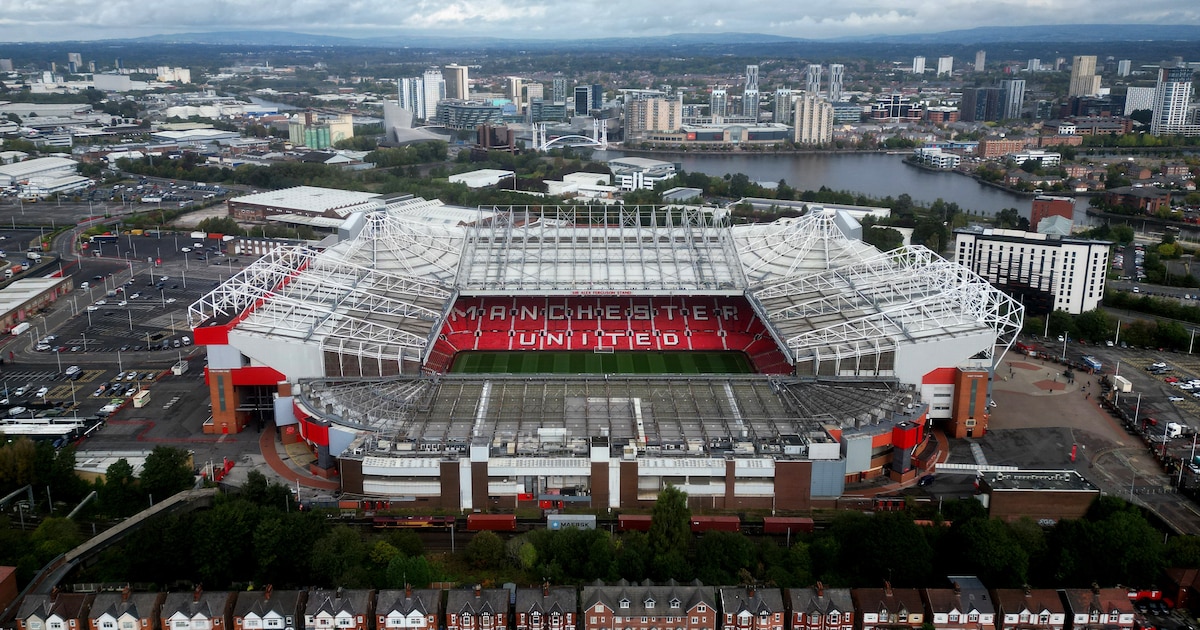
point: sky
(65, 20)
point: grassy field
(592, 363)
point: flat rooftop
(1047, 480)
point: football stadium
(590, 357)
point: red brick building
(343, 609)
(752, 608)
(1047, 206)
(56, 611)
(821, 608)
(412, 609)
(1099, 608)
(635, 607)
(545, 608)
(477, 609)
(1029, 609)
(1146, 199)
(124, 610)
(888, 607)
(967, 605)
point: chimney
(546, 589)
(820, 590)
(54, 593)
(887, 589)
(267, 593)
(957, 589)
(478, 590)
(125, 592)
(338, 593)
(197, 592)
(407, 590)
(1028, 590)
(749, 592)
(1095, 588)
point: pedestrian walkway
(270, 451)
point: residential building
(1172, 96)
(583, 100)
(918, 65)
(1084, 80)
(411, 96)
(837, 78)
(888, 608)
(1012, 97)
(1045, 159)
(343, 609)
(718, 104)
(410, 609)
(937, 158)
(980, 60)
(632, 173)
(752, 608)
(457, 82)
(967, 605)
(941, 114)
(558, 89)
(1139, 98)
(477, 609)
(56, 611)
(514, 92)
(1047, 273)
(813, 120)
(125, 610)
(991, 148)
(1146, 199)
(1099, 608)
(1046, 206)
(981, 104)
(433, 89)
(197, 610)
(784, 106)
(945, 66)
(1029, 609)
(750, 94)
(267, 609)
(821, 608)
(1123, 67)
(896, 107)
(639, 607)
(812, 78)
(647, 115)
(545, 608)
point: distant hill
(981, 35)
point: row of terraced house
(964, 604)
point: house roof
(423, 601)
(1014, 600)
(556, 599)
(756, 601)
(65, 605)
(207, 604)
(1101, 600)
(638, 598)
(139, 605)
(354, 602)
(476, 602)
(261, 603)
(890, 599)
(823, 601)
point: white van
(84, 286)
(187, 341)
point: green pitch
(593, 363)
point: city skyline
(60, 20)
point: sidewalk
(271, 454)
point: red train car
(787, 525)
(413, 522)
(702, 524)
(633, 522)
(492, 522)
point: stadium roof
(669, 415)
(384, 293)
(313, 199)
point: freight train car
(491, 522)
(413, 522)
(787, 525)
(701, 524)
(633, 523)
(563, 521)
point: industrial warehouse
(593, 356)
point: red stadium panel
(607, 323)
(633, 522)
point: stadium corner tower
(593, 357)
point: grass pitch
(525, 362)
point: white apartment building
(1046, 272)
(937, 158)
(1048, 159)
(814, 120)
(945, 66)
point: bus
(104, 238)
(141, 399)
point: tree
(338, 554)
(721, 555)
(118, 495)
(670, 522)
(1094, 325)
(485, 551)
(987, 548)
(167, 470)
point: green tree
(720, 556)
(118, 495)
(411, 570)
(1094, 325)
(670, 531)
(987, 548)
(338, 555)
(167, 470)
(485, 551)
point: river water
(872, 174)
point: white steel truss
(257, 282)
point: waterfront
(873, 174)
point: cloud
(50, 20)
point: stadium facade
(623, 321)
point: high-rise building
(750, 94)
(6, 65)
(583, 99)
(74, 62)
(783, 106)
(918, 66)
(1123, 67)
(1033, 65)
(558, 90)
(1139, 98)
(1012, 97)
(980, 104)
(597, 96)
(814, 120)
(980, 60)
(433, 89)
(812, 78)
(837, 75)
(512, 90)
(1171, 98)
(648, 115)
(412, 96)
(532, 91)
(945, 66)
(1084, 80)
(457, 85)
(718, 104)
